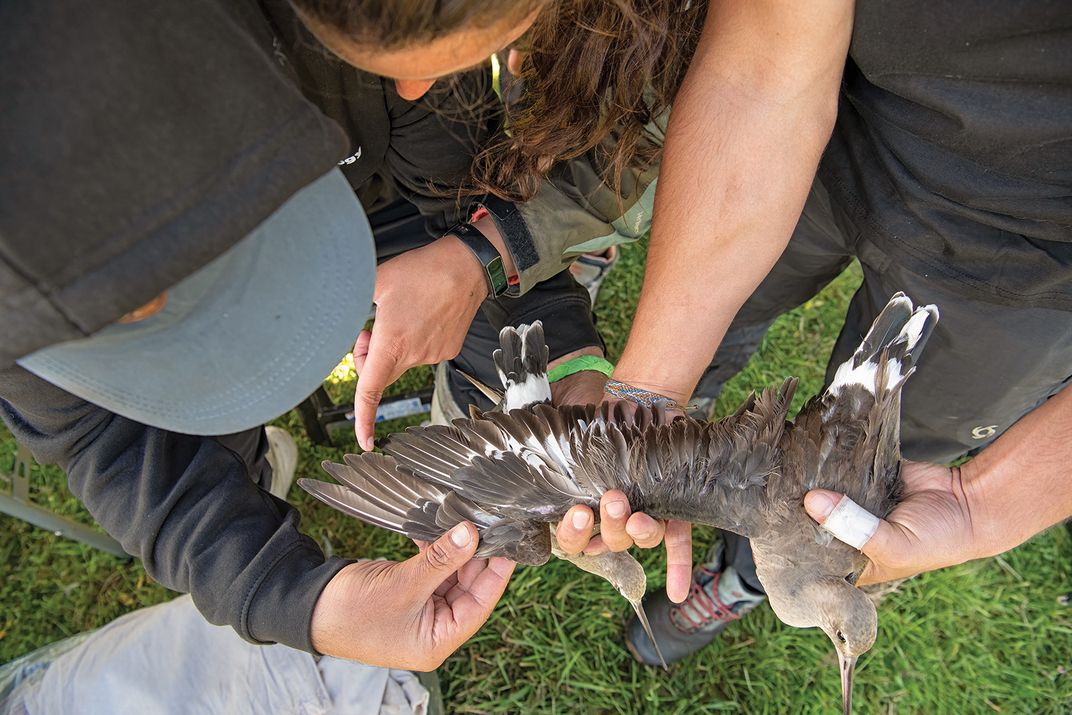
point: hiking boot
(717, 598)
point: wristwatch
(492, 262)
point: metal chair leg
(18, 505)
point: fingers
(574, 532)
(619, 528)
(596, 546)
(645, 532)
(842, 517)
(360, 351)
(379, 368)
(471, 606)
(441, 559)
(613, 514)
(678, 539)
(467, 574)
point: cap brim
(245, 338)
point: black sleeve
(184, 505)
(433, 142)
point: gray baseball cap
(246, 337)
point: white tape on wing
(851, 523)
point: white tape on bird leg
(851, 523)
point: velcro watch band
(475, 241)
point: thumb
(847, 521)
(436, 562)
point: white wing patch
(533, 389)
(865, 375)
(914, 328)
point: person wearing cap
(184, 258)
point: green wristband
(580, 364)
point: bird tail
(522, 364)
(891, 349)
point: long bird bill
(847, 664)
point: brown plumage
(515, 473)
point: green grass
(981, 638)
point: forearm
(744, 139)
(1022, 483)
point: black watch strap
(494, 271)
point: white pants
(168, 659)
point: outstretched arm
(744, 139)
(1012, 490)
(186, 506)
(743, 142)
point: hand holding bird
(930, 528)
(427, 606)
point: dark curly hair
(597, 73)
(394, 24)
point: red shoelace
(701, 608)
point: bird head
(819, 592)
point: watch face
(486, 254)
(499, 282)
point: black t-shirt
(953, 145)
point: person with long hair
(928, 141)
(930, 145)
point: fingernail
(580, 519)
(459, 536)
(369, 444)
(616, 509)
(819, 504)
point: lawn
(989, 636)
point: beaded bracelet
(580, 364)
(647, 398)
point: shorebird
(514, 473)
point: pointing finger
(678, 559)
(379, 370)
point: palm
(458, 607)
(409, 614)
(932, 525)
